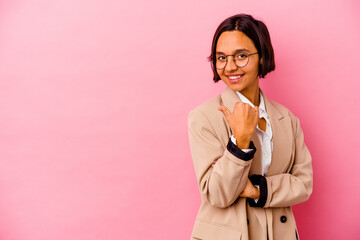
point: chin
(235, 87)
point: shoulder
(209, 105)
(207, 117)
(208, 109)
(287, 114)
(207, 123)
(283, 110)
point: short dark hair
(256, 31)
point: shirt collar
(262, 110)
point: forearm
(228, 177)
(221, 184)
(285, 190)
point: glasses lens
(241, 59)
(220, 61)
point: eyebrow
(236, 51)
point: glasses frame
(233, 57)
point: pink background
(94, 101)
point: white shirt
(265, 138)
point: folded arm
(221, 184)
(287, 189)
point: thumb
(225, 111)
(257, 112)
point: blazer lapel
(282, 142)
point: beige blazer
(223, 215)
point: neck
(253, 95)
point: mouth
(235, 78)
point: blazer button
(283, 219)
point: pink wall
(94, 100)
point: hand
(242, 121)
(250, 191)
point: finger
(225, 111)
(257, 110)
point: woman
(249, 154)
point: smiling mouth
(235, 77)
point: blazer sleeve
(222, 184)
(291, 188)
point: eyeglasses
(240, 59)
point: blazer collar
(230, 97)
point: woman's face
(244, 79)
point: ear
(260, 61)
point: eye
(241, 56)
(221, 58)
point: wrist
(259, 180)
(242, 142)
(256, 193)
(242, 153)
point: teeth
(234, 77)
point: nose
(230, 65)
